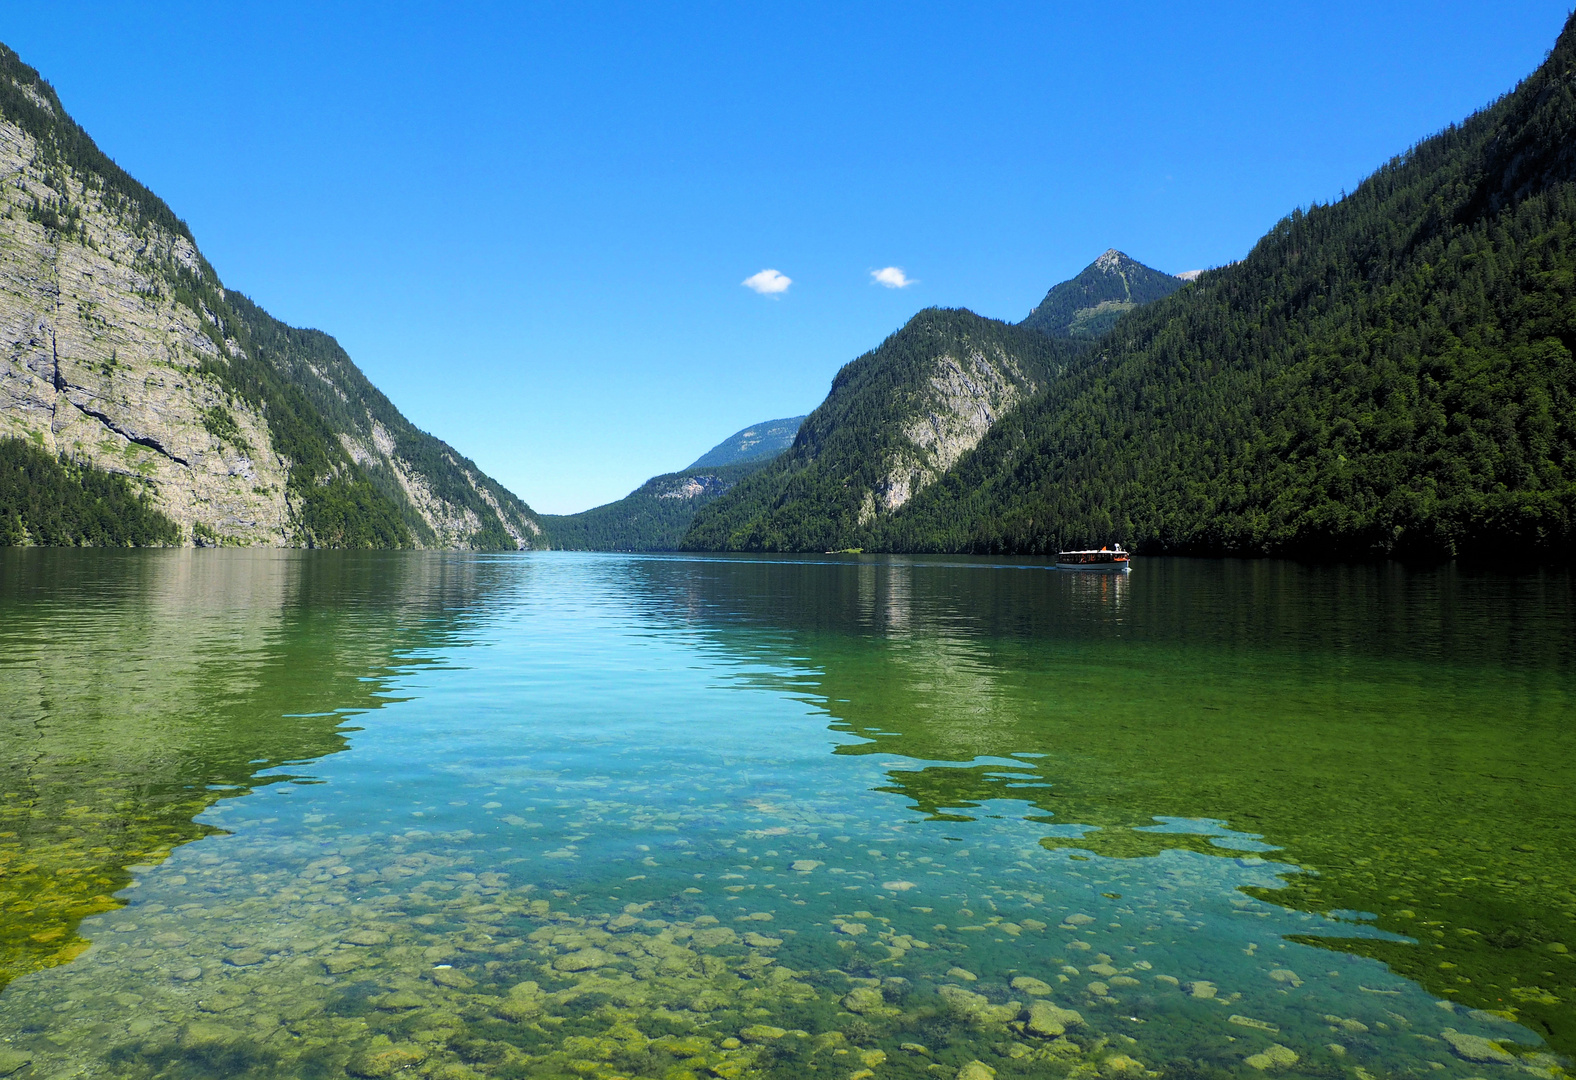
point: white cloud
(768, 282)
(891, 277)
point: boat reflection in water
(1107, 559)
(1109, 591)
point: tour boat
(1104, 559)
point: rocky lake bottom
(287, 816)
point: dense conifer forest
(50, 502)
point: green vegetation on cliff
(356, 472)
(61, 503)
(318, 368)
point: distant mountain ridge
(1088, 305)
(121, 350)
(758, 442)
(657, 515)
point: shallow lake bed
(568, 815)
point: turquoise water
(594, 816)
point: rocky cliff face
(896, 420)
(99, 361)
(120, 347)
(968, 390)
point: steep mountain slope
(653, 517)
(120, 348)
(1108, 288)
(758, 442)
(895, 420)
(1389, 374)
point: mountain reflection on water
(138, 688)
(1213, 819)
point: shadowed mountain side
(179, 679)
(1357, 718)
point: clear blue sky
(529, 224)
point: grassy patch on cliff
(52, 502)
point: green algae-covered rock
(374, 1064)
(1276, 1057)
(399, 1001)
(585, 960)
(762, 1033)
(1048, 1020)
(1476, 1048)
(202, 1034)
(864, 999)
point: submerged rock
(762, 1033)
(375, 1064)
(976, 1070)
(366, 937)
(864, 999)
(977, 1007)
(1048, 1020)
(585, 960)
(202, 1034)
(1276, 1057)
(1027, 984)
(1476, 1048)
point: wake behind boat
(1113, 559)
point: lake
(310, 814)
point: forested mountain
(1089, 305)
(122, 353)
(1388, 374)
(895, 421)
(657, 514)
(758, 442)
(653, 517)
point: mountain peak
(1089, 304)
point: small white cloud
(768, 282)
(891, 277)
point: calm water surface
(315, 814)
